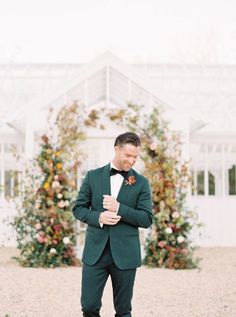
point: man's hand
(110, 203)
(108, 218)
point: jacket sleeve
(82, 208)
(141, 216)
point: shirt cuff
(100, 223)
(118, 208)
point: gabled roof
(106, 79)
(100, 64)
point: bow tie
(114, 171)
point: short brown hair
(128, 138)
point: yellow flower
(57, 153)
(46, 185)
(59, 166)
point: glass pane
(7, 183)
(232, 180)
(200, 182)
(11, 184)
(211, 183)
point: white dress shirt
(116, 182)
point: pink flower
(61, 204)
(153, 146)
(161, 244)
(55, 184)
(57, 227)
(40, 239)
(38, 226)
(184, 251)
(37, 206)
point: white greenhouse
(200, 101)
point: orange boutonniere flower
(130, 181)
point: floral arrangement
(45, 226)
(168, 244)
(46, 229)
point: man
(114, 201)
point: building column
(29, 137)
(86, 93)
(2, 175)
(206, 171)
(129, 90)
(107, 92)
(195, 184)
(223, 178)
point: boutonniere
(130, 181)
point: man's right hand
(109, 218)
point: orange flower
(45, 139)
(130, 181)
(59, 166)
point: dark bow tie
(114, 171)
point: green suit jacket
(135, 210)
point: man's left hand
(110, 203)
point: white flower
(180, 239)
(175, 214)
(27, 239)
(162, 204)
(61, 204)
(67, 203)
(59, 196)
(56, 177)
(38, 226)
(168, 230)
(49, 202)
(53, 251)
(66, 240)
(37, 206)
(55, 184)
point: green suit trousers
(94, 278)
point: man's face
(126, 156)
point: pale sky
(76, 31)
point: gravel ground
(208, 292)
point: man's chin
(127, 168)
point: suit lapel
(124, 190)
(106, 186)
